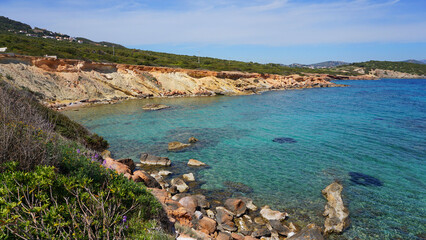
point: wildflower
(78, 151)
(124, 218)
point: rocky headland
(65, 82)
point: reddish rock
(182, 216)
(249, 238)
(207, 225)
(148, 180)
(237, 236)
(223, 236)
(128, 162)
(190, 203)
(116, 166)
(237, 206)
(224, 219)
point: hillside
(402, 67)
(327, 64)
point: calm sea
(370, 136)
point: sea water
(370, 136)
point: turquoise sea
(370, 136)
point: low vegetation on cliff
(53, 184)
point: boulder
(164, 173)
(179, 184)
(237, 236)
(207, 225)
(236, 206)
(198, 215)
(190, 203)
(151, 160)
(244, 224)
(310, 232)
(192, 140)
(279, 227)
(154, 107)
(223, 236)
(250, 205)
(148, 180)
(269, 214)
(175, 146)
(128, 162)
(224, 220)
(181, 215)
(195, 163)
(261, 232)
(160, 180)
(116, 166)
(128, 176)
(337, 215)
(249, 238)
(189, 177)
(210, 213)
(202, 201)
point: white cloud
(273, 22)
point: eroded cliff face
(62, 80)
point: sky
(266, 31)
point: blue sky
(279, 31)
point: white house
(3, 49)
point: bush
(79, 200)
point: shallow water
(373, 129)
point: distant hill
(405, 67)
(7, 24)
(416, 61)
(327, 64)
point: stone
(207, 225)
(223, 236)
(337, 215)
(116, 166)
(154, 107)
(210, 213)
(237, 206)
(164, 173)
(192, 140)
(175, 146)
(189, 177)
(198, 215)
(249, 238)
(160, 180)
(190, 203)
(224, 220)
(151, 160)
(181, 215)
(279, 227)
(237, 236)
(244, 224)
(310, 232)
(202, 201)
(195, 163)
(261, 232)
(260, 220)
(179, 184)
(128, 176)
(127, 161)
(148, 180)
(269, 214)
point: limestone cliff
(66, 80)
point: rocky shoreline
(67, 83)
(193, 214)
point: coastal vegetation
(53, 183)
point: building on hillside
(3, 49)
(53, 56)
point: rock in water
(154, 107)
(195, 163)
(148, 180)
(179, 184)
(175, 146)
(364, 179)
(189, 177)
(236, 206)
(147, 159)
(127, 161)
(284, 140)
(310, 232)
(337, 215)
(271, 215)
(192, 140)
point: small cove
(374, 128)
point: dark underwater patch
(237, 187)
(364, 179)
(284, 140)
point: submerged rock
(271, 215)
(310, 232)
(195, 163)
(237, 187)
(284, 140)
(192, 140)
(154, 107)
(147, 159)
(337, 215)
(189, 177)
(175, 146)
(364, 179)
